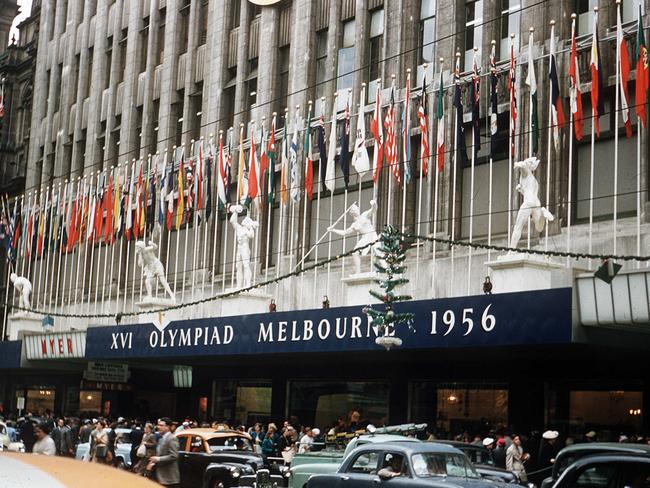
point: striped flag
(345, 147)
(270, 153)
(406, 132)
(557, 112)
(222, 182)
(512, 88)
(378, 134)
(494, 81)
(322, 151)
(531, 81)
(253, 180)
(390, 149)
(360, 159)
(330, 173)
(624, 59)
(641, 72)
(294, 170)
(440, 118)
(474, 100)
(574, 85)
(284, 164)
(423, 117)
(180, 203)
(596, 78)
(309, 164)
(242, 173)
(461, 147)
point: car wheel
(217, 484)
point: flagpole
(435, 192)
(181, 194)
(258, 197)
(419, 217)
(591, 164)
(346, 123)
(205, 262)
(41, 224)
(240, 171)
(198, 178)
(531, 66)
(19, 246)
(187, 230)
(112, 236)
(99, 250)
(453, 197)
(47, 236)
(30, 244)
(488, 123)
(128, 221)
(50, 252)
(332, 156)
(617, 103)
(549, 131)
(136, 225)
(511, 135)
(307, 156)
(58, 237)
(471, 179)
(107, 227)
(639, 127)
(75, 246)
(269, 210)
(143, 209)
(91, 238)
(320, 185)
(405, 133)
(119, 254)
(217, 174)
(390, 169)
(25, 215)
(225, 222)
(291, 191)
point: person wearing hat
(590, 436)
(488, 443)
(499, 453)
(547, 449)
(516, 457)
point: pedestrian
(165, 461)
(27, 435)
(258, 436)
(62, 437)
(135, 436)
(44, 445)
(548, 449)
(515, 459)
(84, 432)
(268, 446)
(591, 436)
(99, 443)
(147, 447)
(353, 421)
(488, 443)
(499, 453)
(307, 440)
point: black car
(223, 458)
(571, 454)
(411, 465)
(607, 471)
(482, 460)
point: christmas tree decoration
(390, 265)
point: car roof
(387, 438)
(461, 445)
(207, 433)
(609, 458)
(21, 469)
(637, 449)
(412, 447)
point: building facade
(123, 91)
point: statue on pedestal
(364, 227)
(152, 267)
(244, 232)
(24, 289)
(531, 206)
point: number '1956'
(488, 321)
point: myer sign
(538, 317)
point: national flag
(270, 153)
(440, 118)
(117, 206)
(322, 151)
(17, 225)
(474, 101)
(494, 81)
(406, 131)
(344, 159)
(624, 57)
(222, 199)
(189, 186)
(138, 221)
(574, 85)
(360, 159)
(162, 170)
(242, 173)
(198, 180)
(642, 79)
(531, 81)
(253, 180)
(461, 147)
(108, 208)
(390, 149)
(378, 134)
(209, 161)
(28, 226)
(596, 78)
(99, 209)
(293, 163)
(423, 117)
(264, 163)
(128, 202)
(151, 193)
(180, 203)
(284, 163)
(330, 174)
(309, 164)
(512, 89)
(169, 197)
(90, 213)
(557, 112)
(41, 224)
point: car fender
(220, 471)
(301, 474)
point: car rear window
(232, 443)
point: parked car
(571, 454)
(223, 458)
(327, 461)
(6, 443)
(482, 460)
(612, 470)
(400, 464)
(122, 457)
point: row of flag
(129, 200)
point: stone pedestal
(357, 289)
(149, 315)
(22, 324)
(245, 303)
(523, 272)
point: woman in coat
(150, 442)
(99, 443)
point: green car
(328, 461)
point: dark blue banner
(10, 354)
(508, 319)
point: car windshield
(232, 443)
(442, 464)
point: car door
(195, 460)
(361, 471)
(183, 461)
(404, 480)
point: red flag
(377, 133)
(625, 74)
(512, 88)
(390, 148)
(596, 78)
(574, 85)
(108, 206)
(641, 72)
(424, 129)
(253, 186)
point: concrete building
(117, 81)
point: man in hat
(499, 453)
(488, 443)
(590, 436)
(547, 449)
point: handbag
(101, 451)
(142, 450)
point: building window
(144, 45)
(161, 36)
(153, 127)
(40, 401)
(122, 46)
(376, 51)
(235, 13)
(345, 67)
(50, 35)
(321, 67)
(461, 407)
(251, 86)
(283, 79)
(229, 107)
(107, 71)
(89, 73)
(510, 19)
(184, 26)
(585, 10)
(196, 104)
(203, 16)
(427, 30)
(473, 29)
(245, 402)
(57, 100)
(599, 409)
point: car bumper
(276, 481)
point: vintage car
(400, 464)
(571, 454)
(612, 470)
(5, 442)
(122, 457)
(483, 462)
(221, 458)
(329, 460)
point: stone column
(217, 45)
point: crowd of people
(154, 448)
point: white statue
(531, 206)
(363, 226)
(24, 289)
(152, 267)
(244, 233)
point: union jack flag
(391, 140)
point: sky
(25, 9)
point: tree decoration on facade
(390, 265)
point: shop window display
(39, 401)
(595, 409)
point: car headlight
(235, 472)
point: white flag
(360, 159)
(330, 174)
